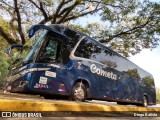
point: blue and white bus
(59, 61)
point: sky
(147, 59)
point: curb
(41, 105)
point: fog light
(22, 83)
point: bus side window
(88, 49)
(108, 58)
(51, 50)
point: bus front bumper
(16, 86)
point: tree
(133, 73)
(131, 24)
(149, 80)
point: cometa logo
(95, 69)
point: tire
(145, 101)
(79, 92)
(121, 103)
(8, 88)
(47, 97)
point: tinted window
(32, 46)
(92, 50)
(72, 34)
(88, 49)
(108, 58)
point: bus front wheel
(79, 92)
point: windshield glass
(52, 46)
(31, 47)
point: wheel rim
(79, 94)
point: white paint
(40, 85)
(22, 68)
(50, 74)
(53, 65)
(43, 80)
(95, 69)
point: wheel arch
(147, 97)
(85, 82)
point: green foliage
(158, 98)
(134, 73)
(3, 69)
(148, 80)
(4, 60)
(3, 42)
(132, 21)
(128, 25)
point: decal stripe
(50, 74)
(14, 77)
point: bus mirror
(35, 28)
(14, 46)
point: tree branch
(57, 11)
(19, 22)
(116, 6)
(12, 28)
(68, 11)
(81, 15)
(6, 37)
(7, 4)
(34, 4)
(43, 10)
(133, 30)
(6, 9)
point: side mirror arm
(8, 50)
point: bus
(60, 61)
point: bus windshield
(31, 47)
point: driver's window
(50, 51)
